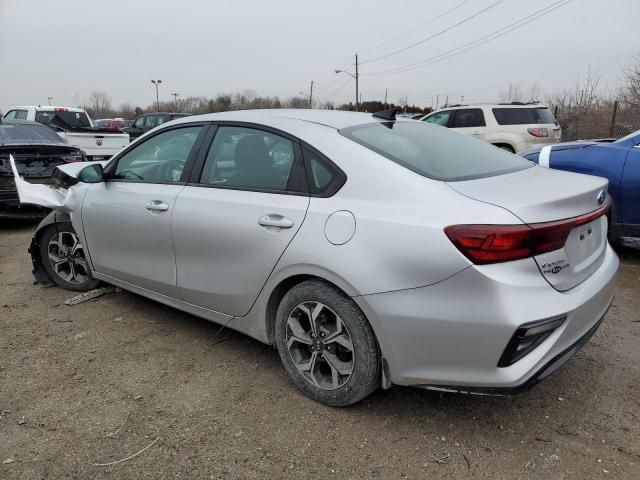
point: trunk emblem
(99, 143)
(602, 196)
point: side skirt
(236, 323)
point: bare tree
(630, 91)
(99, 104)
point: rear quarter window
(523, 116)
(435, 152)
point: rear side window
(523, 116)
(435, 152)
(324, 177)
(248, 158)
(472, 117)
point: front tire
(326, 344)
(63, 257)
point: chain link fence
(609, 120)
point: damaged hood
(50, 196)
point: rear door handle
(157, 206)
(275, 220)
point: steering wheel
(131, 172)
(171, 170)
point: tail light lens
(483, 244)
(60, 109)
(539, 132)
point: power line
(477, 42)
(414, 29)
(437, 34)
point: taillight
(538, 132)
(483, 244)
(60, 109)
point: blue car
(618, 161)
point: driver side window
(160, 159)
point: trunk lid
(540, 195)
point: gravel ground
(98, 382)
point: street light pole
(175, 99)
(356, 77)
(156, 83)
(311, 95)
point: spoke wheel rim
(67, 258)
(320, 345)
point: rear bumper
(453, 333)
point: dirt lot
(97, 382)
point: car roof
(491, 105)
(47, 108)
(336, 119)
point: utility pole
(386, 90)
(446, 102)
(509, 93)
(311, 95)
(357, 104)
(175, 99)
(49, 98)
(437, 101)
(156, 83)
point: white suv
(512, 126)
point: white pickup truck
(75, 128)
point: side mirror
(91, 174)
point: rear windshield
(18, 133)
(64, 119)
(435, 152)
(523, 116)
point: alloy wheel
(67, 258)
(320, 345)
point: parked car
(110, 125)
(37, 151)
(370, 251)
(617, 161)
(513, 126)
(143, 123)
(74, 126)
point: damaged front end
(64, 197)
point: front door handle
(157, 206)
(275, 220)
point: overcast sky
(67, 48)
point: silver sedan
(369, 250)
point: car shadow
(628, 251)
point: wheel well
(505, 146)
(278, 293)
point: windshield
(435, 152)
(629, 137)
(17, 133)
(64, 119)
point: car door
(127, 218)
(470, 121)
(236, 217)
(630, 189)
(136, 129)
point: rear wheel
(63, 257)
(326, 344)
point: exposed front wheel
(63, 257)
(326, 344)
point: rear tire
(326, 344)
(63, 257)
